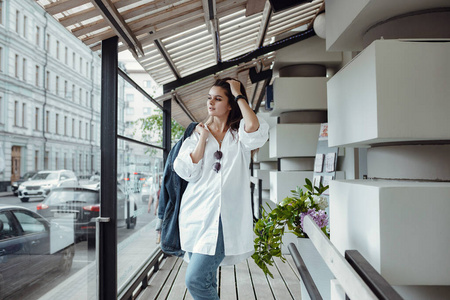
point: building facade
(49, 96)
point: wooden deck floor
(243, 281)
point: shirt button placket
(220, 195)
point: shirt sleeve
(183, 164)
(256, 139)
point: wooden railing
(356, 276)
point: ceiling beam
(267, 15)
(241, 59)
(118, 25)
(261, 95)
(251, 99)
(180, 102)
(211, 21)
(162, 50)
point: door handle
(102, 219)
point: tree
(152, 129)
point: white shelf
(263, 154)
(281, 183)
(297, 164)
(400, 227)
(391, 92)
(294, 140)
(264, 175)
(309, 51)
(299, 93)
(348, 20)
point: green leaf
(308, 182)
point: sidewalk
(6, 194)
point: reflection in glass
(32, 248)
(140, 170)
(138, 117)
(45, 128)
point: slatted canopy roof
(185, 45)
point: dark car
(30, 247)
(25, 177)
(80, 206)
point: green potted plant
(270, 228)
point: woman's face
(217, 103)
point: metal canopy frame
(234, 62)
(185, 44)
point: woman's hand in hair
(235, 86)
(250, 120)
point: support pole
(107, 223)
(167, 128)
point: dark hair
(235, 115)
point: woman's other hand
(200, 129)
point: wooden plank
(159, 279)
(63, 5)
(277, 284)
(144, 8)
(227, 283)
(353, 285)
(188, 296)
(79, 16)
(244, 282)
(168, 283)
(178, 290)
(254, 7)
(290, 278)
(259, 280)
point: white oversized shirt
(225, 194)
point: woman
(215, 216)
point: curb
(6, 194)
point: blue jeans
(201, 279)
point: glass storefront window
(138, 181)
(138, 117)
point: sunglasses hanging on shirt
(217, 165)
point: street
(84, 253)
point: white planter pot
(319, 271)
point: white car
(43, 182)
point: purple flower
(320, 217)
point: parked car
(43, 182)
(30, 247)
(23, 178)
(93, 183)
(81, 206)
